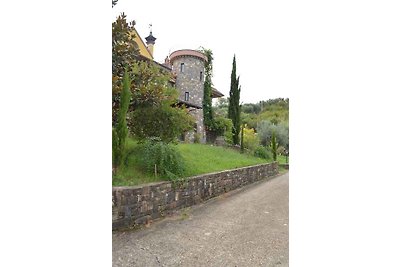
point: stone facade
(141, 204)
(188, 65)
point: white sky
(258, 41)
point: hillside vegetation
(273, 110)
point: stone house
(187, 68)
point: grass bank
(199, 159)
(205, 158)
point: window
(201, 76)
(186, 96)
(182, 67)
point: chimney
(150, 41)
(167, 62)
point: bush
(274, 145)
(282, 134)
(196, 138)
(161, 159)
(164, 122)
(250, 139)
(262, 152)
(280, 150)
(265, 129)
(219, 127)
(228, 136)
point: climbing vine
(207, 100)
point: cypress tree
(120, 133)
(207, 100)
(274, 145)
(234, 107)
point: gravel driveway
(246, 227)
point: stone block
(131, 200)
(170, 206)
(134, 210)
(197, 199)
(189, 201)
(146, 190)
(115, 214)
(143, 220)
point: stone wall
(138, 205)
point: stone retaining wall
(136, 205)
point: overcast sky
(260, 41)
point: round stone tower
(188, 66)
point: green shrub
(196, 138)
(164, 121)
(265, 129)
(263, 152)
(220, 126)
(274, 145)
(223, 127)
(250, 139)
(280, 150)
(161, 159)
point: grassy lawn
(205, 158)
(282, 159)
(199, 159)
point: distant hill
(273, 110)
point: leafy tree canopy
(164, 122)
(124, 49)
(152, 107)
(120, 133)
(266, 128)
(150, 86)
